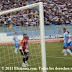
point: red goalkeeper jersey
(25, 43)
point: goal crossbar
(20, 8)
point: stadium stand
(55, 12)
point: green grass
(54, 57)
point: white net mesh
(23, 21)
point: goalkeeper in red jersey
(24, 50)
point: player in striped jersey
(24, 50)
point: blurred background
(57, 15)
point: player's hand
(20, 47)
(26, 50)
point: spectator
(55, 11)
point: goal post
(42, 34)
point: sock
(16, 50)
(69, 51)
(65, 51)
(25, 58)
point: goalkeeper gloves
(20, 47)
(26, 50)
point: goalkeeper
(24, 50)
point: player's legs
(65, 52)
(68, 50)
(16, 50)
(22, 52)
(64, 49)
(66, 46)
(25, 57)
(16, 47)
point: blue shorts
(65, 44)
(70, 44)
(16, 44)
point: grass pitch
(54, 56)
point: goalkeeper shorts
(23, 52)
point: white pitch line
(55, 57)
(60, 57)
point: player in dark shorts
(24, 50)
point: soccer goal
(23, 20)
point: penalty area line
(54, 57)
(59, 57)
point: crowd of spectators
(58, 12)
(55, 11)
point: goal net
(23, 20)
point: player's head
(68, 32)
(25, 36)
(64, 30)
(15, 33)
